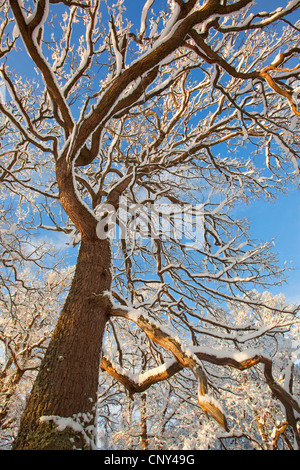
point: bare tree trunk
(66, 386)
(144, 432)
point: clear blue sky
(280, 220)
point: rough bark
(144, 431)
(66, 385)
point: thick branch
(140, 383)
(192, 358)
(35, 53)
(80, 214)
(110, 104)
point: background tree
(196, 110)
(33, 286)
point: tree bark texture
(144, 431)
(66, 386)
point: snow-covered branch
(192, 358)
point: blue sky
(280, 220)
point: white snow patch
(203, 399)
(144, 15)
(68, 422)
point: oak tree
(129, 138)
